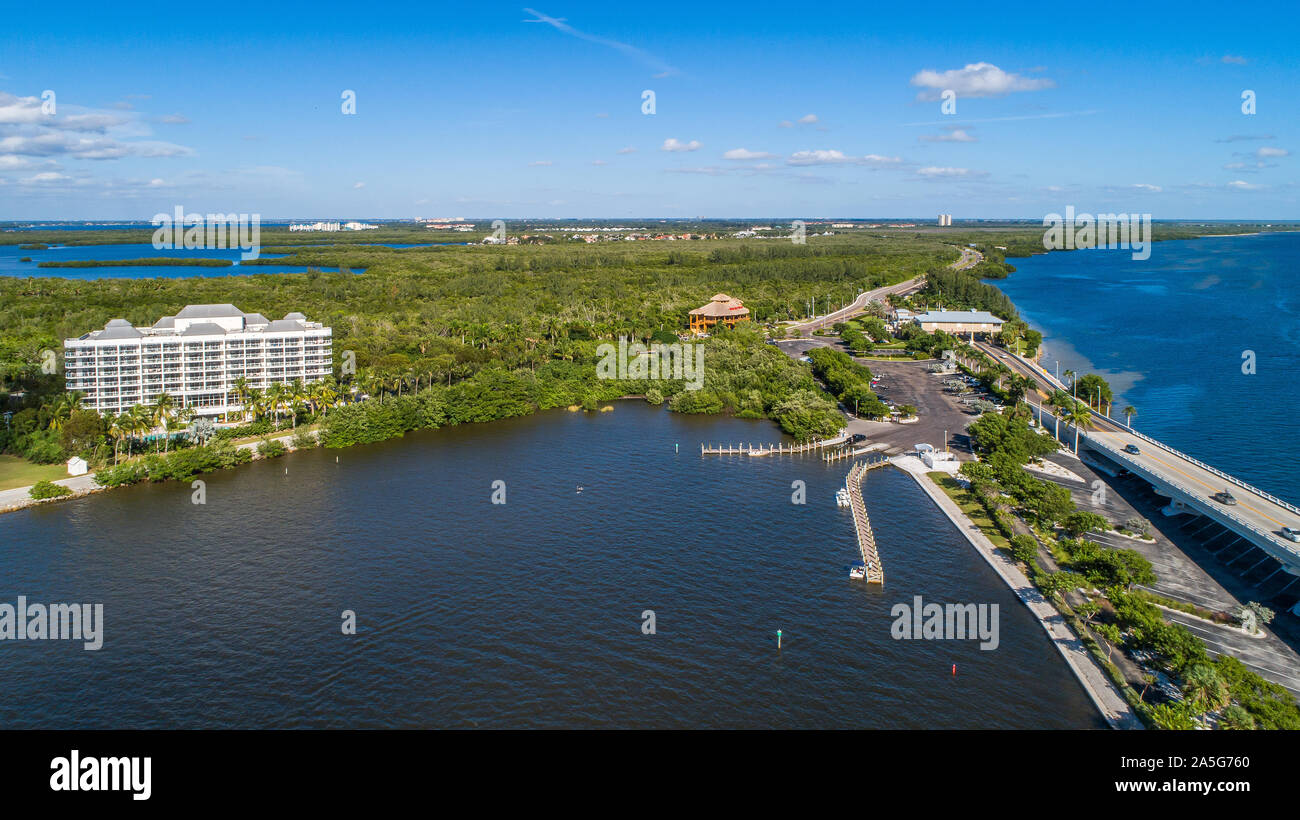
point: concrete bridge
(1190, 484)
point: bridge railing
(1216, 471)
(1226, 477)
(1271, 538)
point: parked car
(1291, 534)
(856, 437)
(1132, 448)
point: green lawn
(970, 507)
(19, 472)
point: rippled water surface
(522, 614)
(1172, 334)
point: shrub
(271, 448)
(48, 489)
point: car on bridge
(1291, 534)
(1132, 448)
(1224, 497)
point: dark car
(1224, 497)
(856, 437)
(1132, 448)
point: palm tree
(138, 421)
(256, 403)
(1078, 414)
(159, 411)
(181, 416)
(1129, 412)
(63, 409)
(275, 397)
(117, 428)
(242, 393)
(1204, 688)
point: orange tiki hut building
(721, 308)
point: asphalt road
(1252, 508)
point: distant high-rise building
(945, 220)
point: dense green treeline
(149, 262)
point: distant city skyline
(513, 112)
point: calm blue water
(472, 614)
(10, 264)
(1169, 334)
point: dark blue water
(10, 264)
(1169, 333)
(522, 614)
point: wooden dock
(861, 523)
(846, 452)
(777, 449)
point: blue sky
(769, 111)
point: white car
(1291, 534)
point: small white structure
(935, 459)
(77, 466)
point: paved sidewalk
(20, 497)
(1096, 683)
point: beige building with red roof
(721, 308)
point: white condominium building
(196, 356)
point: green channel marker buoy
(778, 639)
(677, 448)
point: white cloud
(673, 144)
(47, 176)
(937, 172)
(1142, 186)
(833, 157)
(954, 135)
(1269, 151)
(661, 68)
(599, 162)
(1242, 185)
(808, 119)
(539, 163)
(628, 150)
(1233, 59)
(975, 80)
(785, 124)
(73, 132)
(744, 153)
(710, 170)
(356, 186)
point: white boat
(857, 572)
(842, 497)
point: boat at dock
(842, 498)
(857, 572)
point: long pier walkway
(862, 523)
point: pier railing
(779, 448)
(875, 572)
